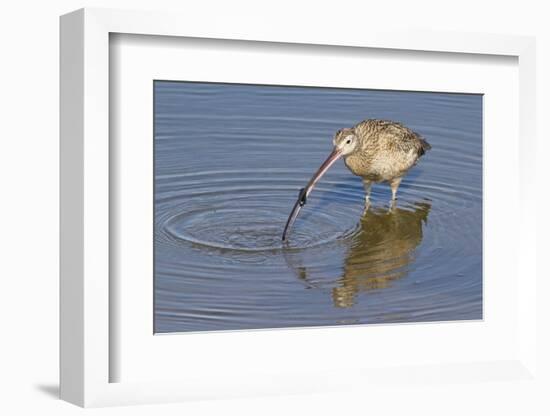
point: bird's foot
(367, 203)
(393, 205)
(367, 207)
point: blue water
(229, 161)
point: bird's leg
(368, 185)
(394, 184)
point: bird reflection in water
(379, 252)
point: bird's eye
(348, 141)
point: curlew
(375, 150)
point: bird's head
(345, 141)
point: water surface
(229, 161)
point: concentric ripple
(223, 215)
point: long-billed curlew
(375, 150)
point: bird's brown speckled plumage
(386, 149)
(375, 150)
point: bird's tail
(424, 147)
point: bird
(375, 150)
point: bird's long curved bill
(304, 192)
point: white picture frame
(87, 302)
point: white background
(29, 206)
